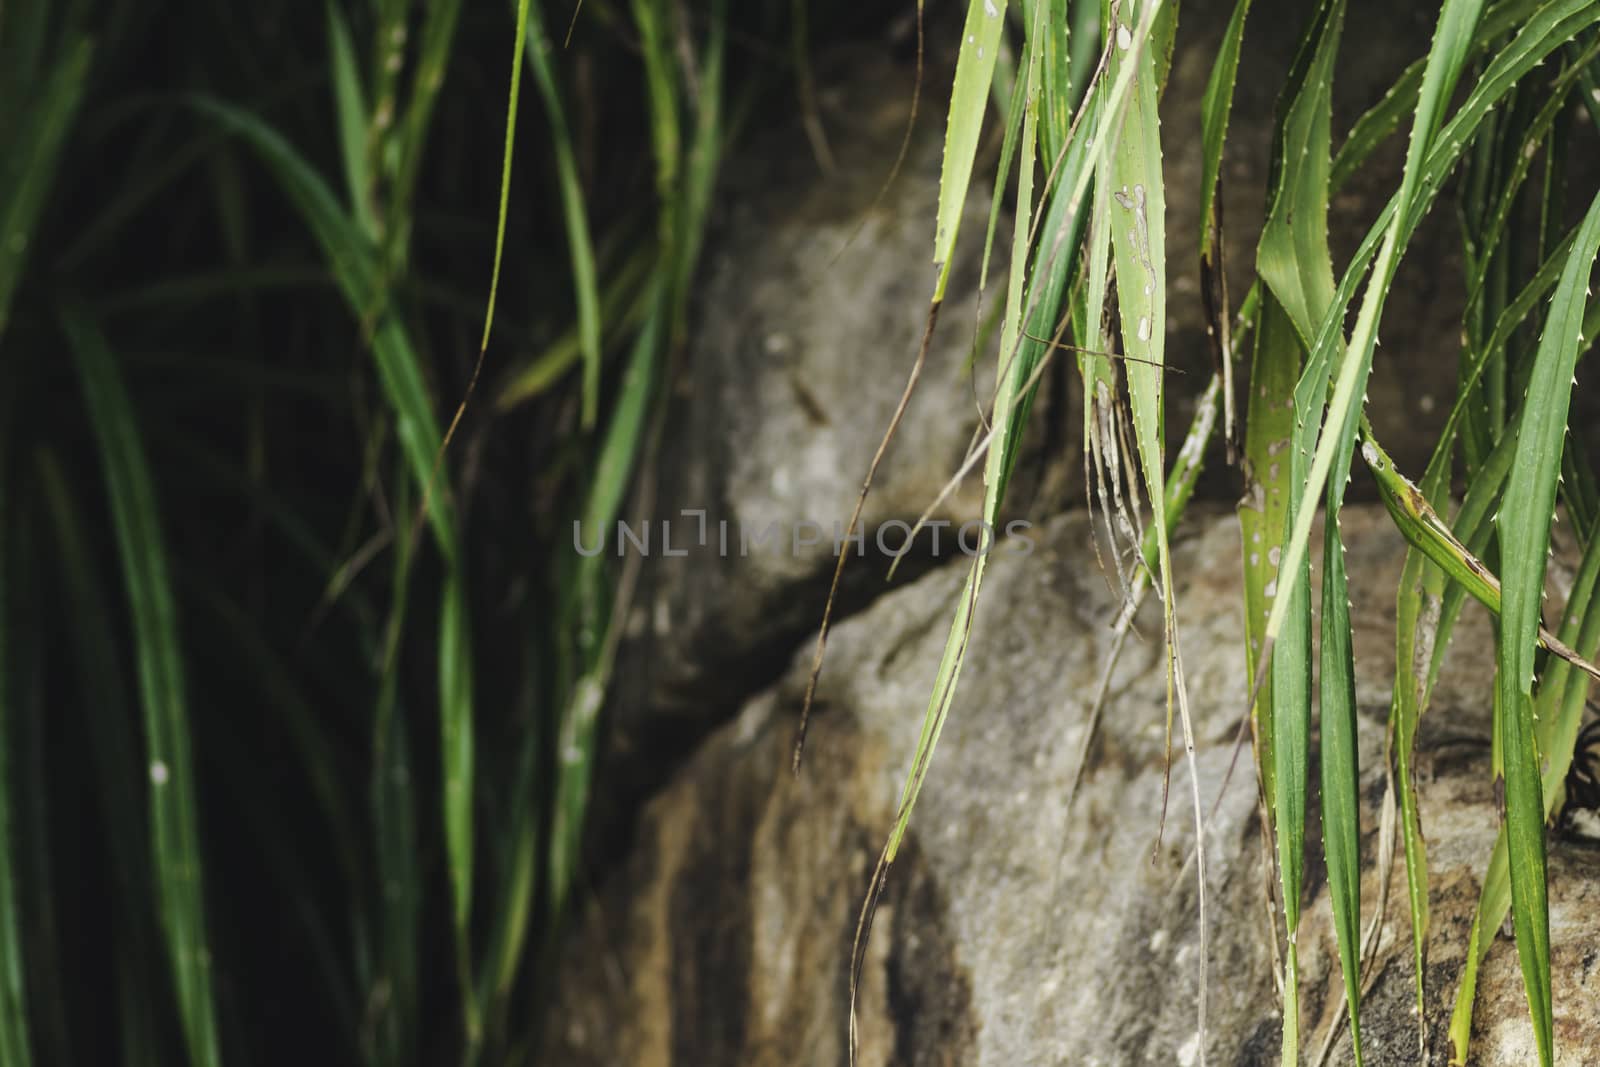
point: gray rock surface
(810, 315)
(1013, 933)
(1010, 933)
(813, 302)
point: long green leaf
(515, 93)
(1524, 530)
(1383, 118)
(394, 1033)
(1138, 228)
(1269, 429)
(1543, 32)
(1290, 681)
(1415, 518)
(1293, 259)
(15, 1044)
(351, 108)
(354, 262)
(1215, 107)
(968, 98)
(685, 182)
(1341, 774)
(586, 609)
(1294, 263)
(33, 858)
(427, 80)
(1445, 60)
(175, 840)
(34, 151)
(457, 758)
(1558, 713)
(1427, 607)
(1070, 188)
(1415, 627)
(586, 288)
(111, 739)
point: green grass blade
(1524, 531)
(1070, 186)
(520, 885)
(1263, 509)
(1341, 777)
(1293, 258)
(685, 183)
(1548, 29)
(174, 820)
(1523, 152)
(1415, 601)
(36, 852)
(666, 125)
(394, 988)
(588, 609)
(1138, 228)
(1415, 518)
(700, 168)
(623, 305)
(399, 370)
(1012, 322)
(1558, 714)
(1012, 375)
(1137, 220)
(1008, 154)
(390, 36)
(1471, 527)
(354, 262)
(394, 983)
(1383, 118)
(34, 150)
(1215, 107)
(1294, 263)
(515, 92)
(1563, 689)
(1341, 818)
(1290, 680)
(427, 80)
(1099, 374)
(980, 45)
(1445, 60)
(112, 738)
(350, 107)
(15, 1044)
(456, 754)
(1057, 101)
(585, 285)
(1377, 124)
(1066, 195)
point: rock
(813, 304)
(813, 300)
(1011, 932)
